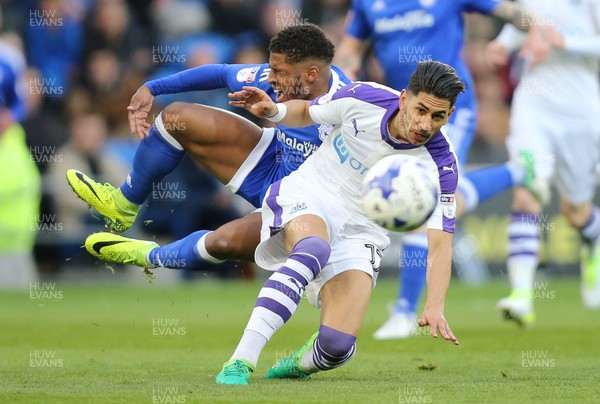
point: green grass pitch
(165, 344)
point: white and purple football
(399, 193)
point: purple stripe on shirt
(275, 307)
(274, 206)
(283, 288)
(440, 151)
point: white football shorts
(565, 149)
(356, 242)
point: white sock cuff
(165, 134)
(201, 250)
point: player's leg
(576, 184)
(343, 286)
(234, 240)
(523, 249)
(585, 217)
(306, 240)
(335, 342)
(217, 139)
(402, 322)
(533, 141)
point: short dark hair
(302, 42)
(438, 79)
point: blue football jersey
(409, 31)
(294, 145)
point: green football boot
(289, 367)
(539, 187)
(122, 250)
(518, 306)
(590, 275)
(236, 371)
(118, 213)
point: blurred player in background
(20, 189)
(404, 33)
(237, 152)
(315, 234)
(554, 124)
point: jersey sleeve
(209, 77)
(357, 25)
(480, 6)
(444, 216)
(201, 78)
(239, 76)
(586, 46)
(326, 110)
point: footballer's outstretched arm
(293, 113)
(201, 78)
(438, 279)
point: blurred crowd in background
(85, 59)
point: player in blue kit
(238, 153)
(315, 235)
(407, 32)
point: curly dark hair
(302, 42)
(438, 79)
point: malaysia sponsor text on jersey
(304, 147)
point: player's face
(421, 116)
(286, 79)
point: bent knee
(524, 201)
(175, 117)
(576, 215)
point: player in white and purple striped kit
(315, 235)
(404, 33)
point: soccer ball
(399, 193)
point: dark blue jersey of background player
(407, 32)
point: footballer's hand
(555, 37)
(537, 46)
(138, 110)
(495, 54)
(254, 100)
(436, 321)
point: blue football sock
(180, 254)
(478, 186)
(413, 270)
(154, 158)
